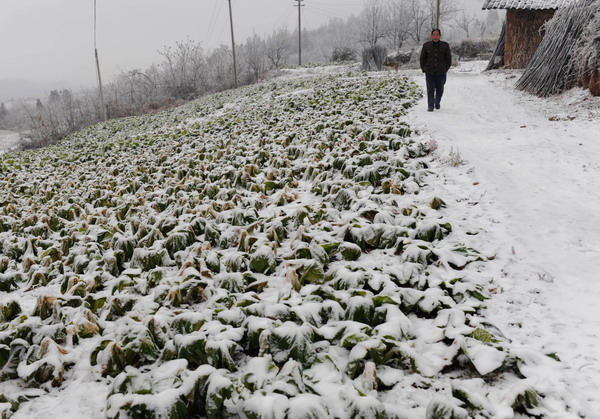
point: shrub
(342, 54)
(373, 58)
(469, 48)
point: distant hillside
(17, 89)
(9, 140)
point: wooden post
(235, 81)
(299, 5)
(104, 115)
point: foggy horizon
(52, 45)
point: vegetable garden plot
(257, 253)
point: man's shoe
(437, 106)
(429, 109)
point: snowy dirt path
(541, 199)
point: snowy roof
(526, 4)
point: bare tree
(419, 15)
(482, 25)
(373, 27)
(219, 68)
(278, 46)
(339, 33)
(67, 107)
(256, 57)
(141, 88)
(184, 68)
(464, 21)
(398, 23)
(448, 10)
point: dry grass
(454, 158)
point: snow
(302, 72)
(532, 170)
(485, 358)
(60, 404)
(515, 242)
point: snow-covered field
(309, 248)
(534, 169)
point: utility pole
(235, 81)
(299, 5)
(437, 16)
(104, 115)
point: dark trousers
(435, 88)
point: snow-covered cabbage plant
(259, 253)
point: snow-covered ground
(430, 370)
(527, 192)
(533, 171)
(9, 141)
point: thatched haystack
(569, 54)
(588, 54)
(497, 59)
(523, 28)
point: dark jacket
(435, 57)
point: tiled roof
(526, 4)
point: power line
(330, 11)
(211, 24)
(345, 4)
(325, 13)
(284, 16)
(221, 32)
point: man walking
(435, 62)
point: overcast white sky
(52, 40)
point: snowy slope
(308, 268)
(277, 250)
(536, 165)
